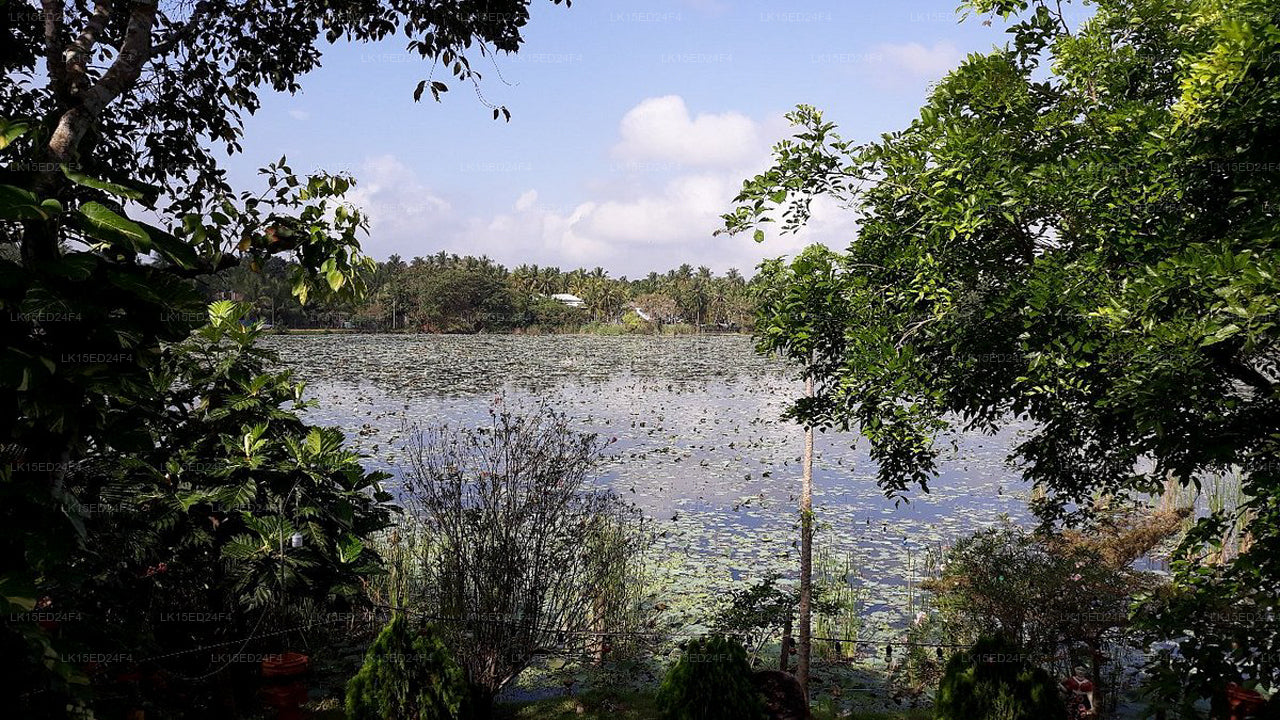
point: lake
(701, 448)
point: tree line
(448, 293)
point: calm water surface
(701, 447)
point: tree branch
(224, 261)
(184, 31)
(55, 49)
(135, 51)
(76, 57)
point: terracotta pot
(285, 665)
(284, 696)
(1242, 702)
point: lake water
(701, 448)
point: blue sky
(633, 125)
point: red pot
(285, 665)
(1242, 702)
(284, 696)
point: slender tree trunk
(806, 554)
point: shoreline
(591, 333)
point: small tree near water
(710, 681)
(994, 681)
(526, 554)
(408, 675)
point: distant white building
(570, 300)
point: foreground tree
(1093, 251)
(801, 315)
(408, 673)
(113, 107)
(107, 407)
(524, 554)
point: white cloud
(399, 207)
(526, 199)
(916, 61)
(631, 222)
(299, 114)
(662, 130)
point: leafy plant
(762, 610)
(408, 675)
(107, 477)
(711, 680)
(1064, 595)
(994, 681)
(1076, 231)
(238, 513)
(758, 612)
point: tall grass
(836, 581)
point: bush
(994, 682)
(525, 548)
(711, 680)
(406, 676)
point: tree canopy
(1079, 231)
(114, 111)
(149, 91)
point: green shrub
(993, 681)
(711, 680)
(407, 676)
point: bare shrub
(524, 554)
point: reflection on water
(700, 445)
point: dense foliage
(408, 674)
(241, 522)
(150, 472)
(1079, 232)
(129, 454)
(710, 681)
(1064, 598)
(448, 293)
(995, 681)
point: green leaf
(102, 223)
(349, 548)
(80, 178)
(10, 131)
(1221, 334)
(336, 279)
(172, 248)
(223, 311)
(19, 204)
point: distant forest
(446, 293)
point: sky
(633, 126)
